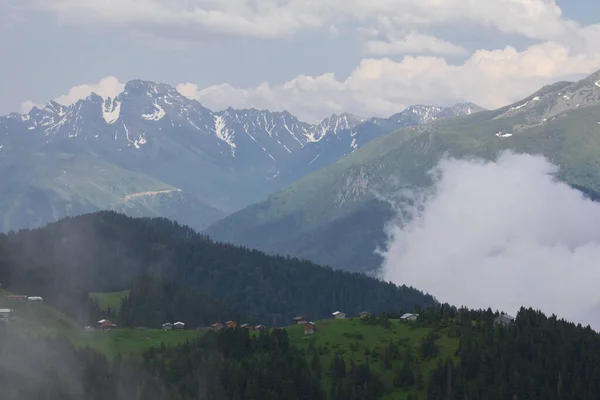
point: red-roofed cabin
(300, 320)
(108, 326)
(231, 324)
(216, 326)
(309, 328)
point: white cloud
(382, 87)
(413, 43)
(502, 234)
(188, 89)
(263, 18)
(538, 19)
(106, 87)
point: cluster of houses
(167, 326)
(310, 327)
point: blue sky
(312, 58)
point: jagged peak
(348, 117)
(255, 111)
(93, 98)
(421, 106)
(35, 110)
(150, 88)
(54, 104)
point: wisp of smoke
(501, 234)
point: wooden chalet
(299, 320)
(179, 325)
(309, 328)
(217, 326)
(231, 324)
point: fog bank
(500, 234)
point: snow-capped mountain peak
(421, 114)
(333, 125)
(149, 117)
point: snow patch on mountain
(157, 115)
(56, 108)
(140, 141)
(503, 135)
(425, 113)
(126, 133)
(111, 110)
(332, 125)
(225, 134)
(514, 108)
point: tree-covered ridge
(538, 357)
(153, 302)
(108, 252)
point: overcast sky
(311, 57)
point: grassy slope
(126, 341)
(112, 299)
(40, 320)
(292, 218)
(340, 336)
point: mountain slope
(40, 187)
(202, 164)
(560, 121)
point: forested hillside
(153, 301)
(108, 252)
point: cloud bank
(502, 234)
(271, 19)
(403, 61)
(382, 87)
(106, 87)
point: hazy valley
(150, 151)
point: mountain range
(334, 216)
(150, 151)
